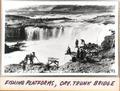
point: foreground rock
(35, 68)
(17, 68)
(104, 66)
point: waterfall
(54, 32)
(36, 33)
(33, 33)
(61, 31)
(41, 31)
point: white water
(36, 33)
(57, 43)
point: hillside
(82, 9)
(104, 19)
(61, 9)
(16, 17)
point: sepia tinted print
(60, 39)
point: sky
(7, 5)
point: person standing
(23, 64)
(78, 53)
(68, 50)
(82, 45)
(82, 54)
(31, 57)
(76, 43)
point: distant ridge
(19, 17)
(61, 9)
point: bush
(108, 42)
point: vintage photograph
(59, 38)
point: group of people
(82, 44)
(81, 53)
(29, 57)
